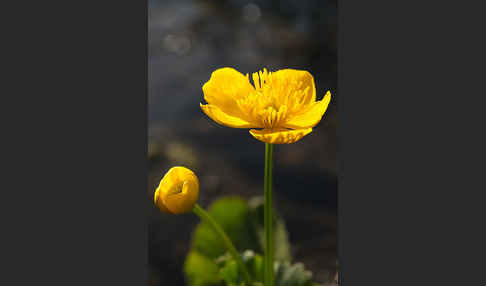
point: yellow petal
(182, 202)
(224, 88)
(280, 136)
(311, 117)
(298, 83)
(178, 191)
(159, 203)
(224, 119)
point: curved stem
(227, 241)
(268, 216)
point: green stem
(268, 216)
(227, 241)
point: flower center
(176, 189)
(263, 108)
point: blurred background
(189, 39)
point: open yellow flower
(282, 104)
(178, 191)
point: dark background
(411, 207)
(187, 40)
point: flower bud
(178, 191)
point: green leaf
(201, 270)
(281, 241)
(231, 273)
(243, 223)
(254, 264)
(233, 215)
(287, 274)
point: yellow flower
(178, 191)
(282, 104)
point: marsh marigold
(281, 104)
(178, 191)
